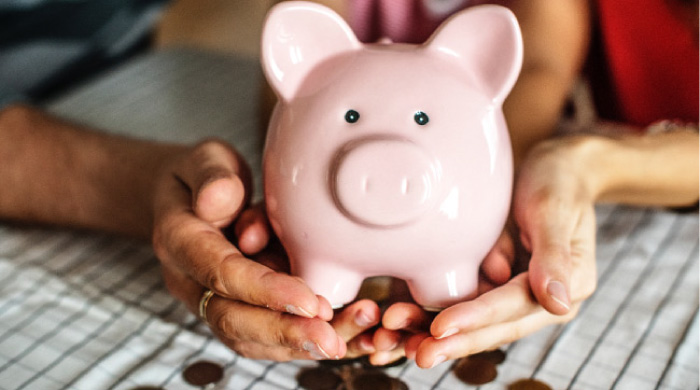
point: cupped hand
(404, 322)
(554, 210)
(258, 312)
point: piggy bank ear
(297, 36)
(486, 41)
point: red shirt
(651, 54)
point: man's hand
(258, 312)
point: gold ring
(203, 302)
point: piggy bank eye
(352, 116)
(421, 118)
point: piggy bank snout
(383, 182)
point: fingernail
(557, 291)
(381, 358)
(438, 359)
(392, 346)
(363, 319)
(315, 350)
(448, 333)
(296, 310)
(366, 345)
(404, 325)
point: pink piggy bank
(389, 159)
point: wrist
(577, 160)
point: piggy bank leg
(435, 291)
(337, 284)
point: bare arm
(655, 170)
(54, 172)
(555, 38)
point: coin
(374, 380)
(475, 371)
(203, 373)
(495, 356)
(319, 378)
(529, 384)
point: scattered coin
(497, 356)
(375, 380)
(319, 378)
(203, 373)
(529, 384)
(475, 371)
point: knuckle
(227, 324)
(215, 280)
(210, 143)
(515, 333)
(164, 234)
(159, 247)
(246, 350)
(487, 311)
(281, 336)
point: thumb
(218, 179)
(547, 233)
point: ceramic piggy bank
(389, 159)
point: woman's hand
(405, 320)
(258, 312)
(553, 209)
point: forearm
(54, 172)
(555, 38)
(655, 170)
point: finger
(355, 319)
(183, 288)
(502, 304)
(274, 257)
(405, 316)
(252, 230)
(253, 350)
(382, 358)
(498, 262)
(234, 322)
(218, 179)
(432, 351)
(412, 343)
(389, 345)
(361, 345)
(325, 310)
(388, 340)
(549, 229)
(206, 256)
